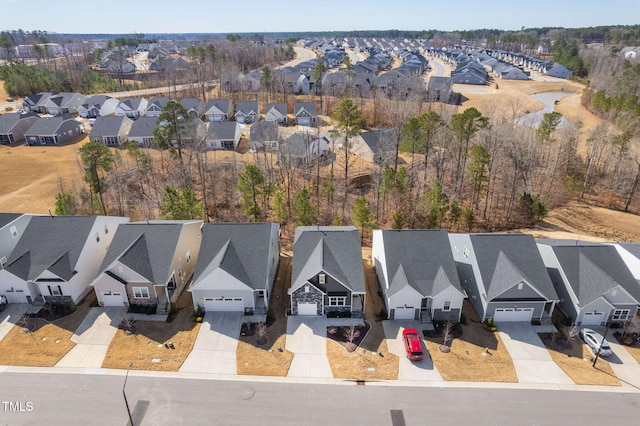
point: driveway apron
(623, 364)
(531, 360)
(92, 338)
(306, 338)
(407, 369)
(214, 351)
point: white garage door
(513, 314)
(17, 296)
(307, 308)
(402, 313)
(592, 318)
(112, 299)
(223, 304)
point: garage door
(592, 318)
(513, 314)
(223, 304)
(307, 308)
(112, 299)
(16, 296)
(402, 313)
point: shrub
(150, 310)
(383, 313)
(271, 316)
(94, 303)
(489, 325)
(174, 308)
(199, 319)
(463, 319)
(72, 306)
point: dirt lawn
(468, 360)
(146, 350)
(271, 359)
(45, 346)
(574, 358)
(31, 175)
(356, 365)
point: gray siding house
(14, 126)
(52, 131)
(594, 284)
(504, 276)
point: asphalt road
(64, 399)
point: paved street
(157, 400)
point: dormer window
(321, 278)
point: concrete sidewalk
(531, 360)
(93, 337)
(407, 369)
(215, 348)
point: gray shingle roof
(595, 269)
(53, 243)
(224, 130)
(143, 127)
(45, 126)
(108, 126)
(421, 259)
(264, 131)
(334, 250)
(248, 107)
(146, 248)
(304, 109)
(240, 249)
(281, 108)
(7, 218)
(506, 259)
(222, 105)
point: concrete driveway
(622, 363)
(215, 349)
(93, 337)
(531, 360)
(407, 369)
(306, 338)
(10, 317)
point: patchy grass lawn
(634, 351)
(357, 365)
(468, 360)
(573, 357)
(147, 344)
(47, 344)
(268, 360)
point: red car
(412, 344)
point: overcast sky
(225, 16)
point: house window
(306, 289)
(520, 285)
(14, 232)
(56, 290)
(620, 314)
(447, 306)
(140, 292)
(337, 300)
(321, 278)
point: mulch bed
(338, 334)
(456, 331)
(628, 339)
